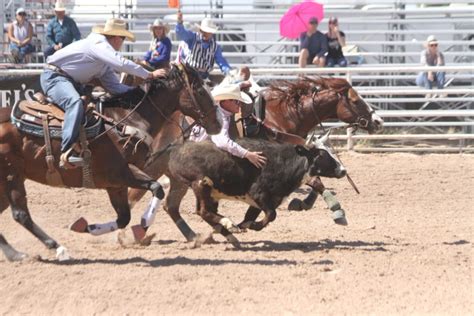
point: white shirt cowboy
(92, 58)
(229, 96)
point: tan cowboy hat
(159, 23)
(59, 6)
(208, 26)
(116, 27)
(230, 92)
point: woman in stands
(336, 41)
(159, 54)
(431, 56)
(20, 33)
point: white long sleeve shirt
(94, 58)
(222, 140)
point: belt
(57, 70)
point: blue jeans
(422, 80)
(48, 52)
(64, 92)
(22, 51)
(331, 62)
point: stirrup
(68, 161)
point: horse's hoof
(17, 256)
(339, 217)
(295, 205)
(234, 241)
(146, 241)
(244, 226)
(138, 233)
(62, 254)
(79, 226)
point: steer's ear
(302, 151)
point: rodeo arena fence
(384, 41)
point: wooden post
(350, 140)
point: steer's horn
(324, 138)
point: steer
(214, 174)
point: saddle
(29, 116)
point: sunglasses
(22, 13)
(433, 45)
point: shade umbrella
(295, 20)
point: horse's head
(356, 111)
(195, 100)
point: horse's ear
(353, 96)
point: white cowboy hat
(59, 6)
(230, 92)
(20, 10)
(208, 26)
(116, 27)
(431, 39)
(159, 23)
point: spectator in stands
(61, 31)
(314, 46)
(336, 41)
(159, 53)
(20, 34)
(431, 56)
(200, 50)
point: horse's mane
(291, 92)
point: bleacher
(384, 40)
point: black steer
(214, 174)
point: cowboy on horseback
(69, 69)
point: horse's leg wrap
(338, 214)
(150, 213)
(100, 229)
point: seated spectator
(336, 41)
(20, 33)
(61, 31)
(314, 46)
(431, 56)
(159, 54)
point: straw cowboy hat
(208, 26)
(97, 28)
(230, 92)
(159, 23)
(116, 27)
(59, 6)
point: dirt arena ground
(407, 250)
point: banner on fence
(16, 87)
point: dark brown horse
(22, 156)
(295, 108)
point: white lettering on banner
(9, 97)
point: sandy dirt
(407, 249)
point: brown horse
(22, 156)
(295, 108)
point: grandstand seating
(388, 35)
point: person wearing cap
(20, 33)
(336, 41)
(431, 56)
(72, 67)
(313, 45)
(61, 30)
(159, 53)
(201, 49)
(230, 99)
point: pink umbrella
(296, 19)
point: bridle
(360, 121)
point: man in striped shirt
(201, 49)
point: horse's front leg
(132, 177)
